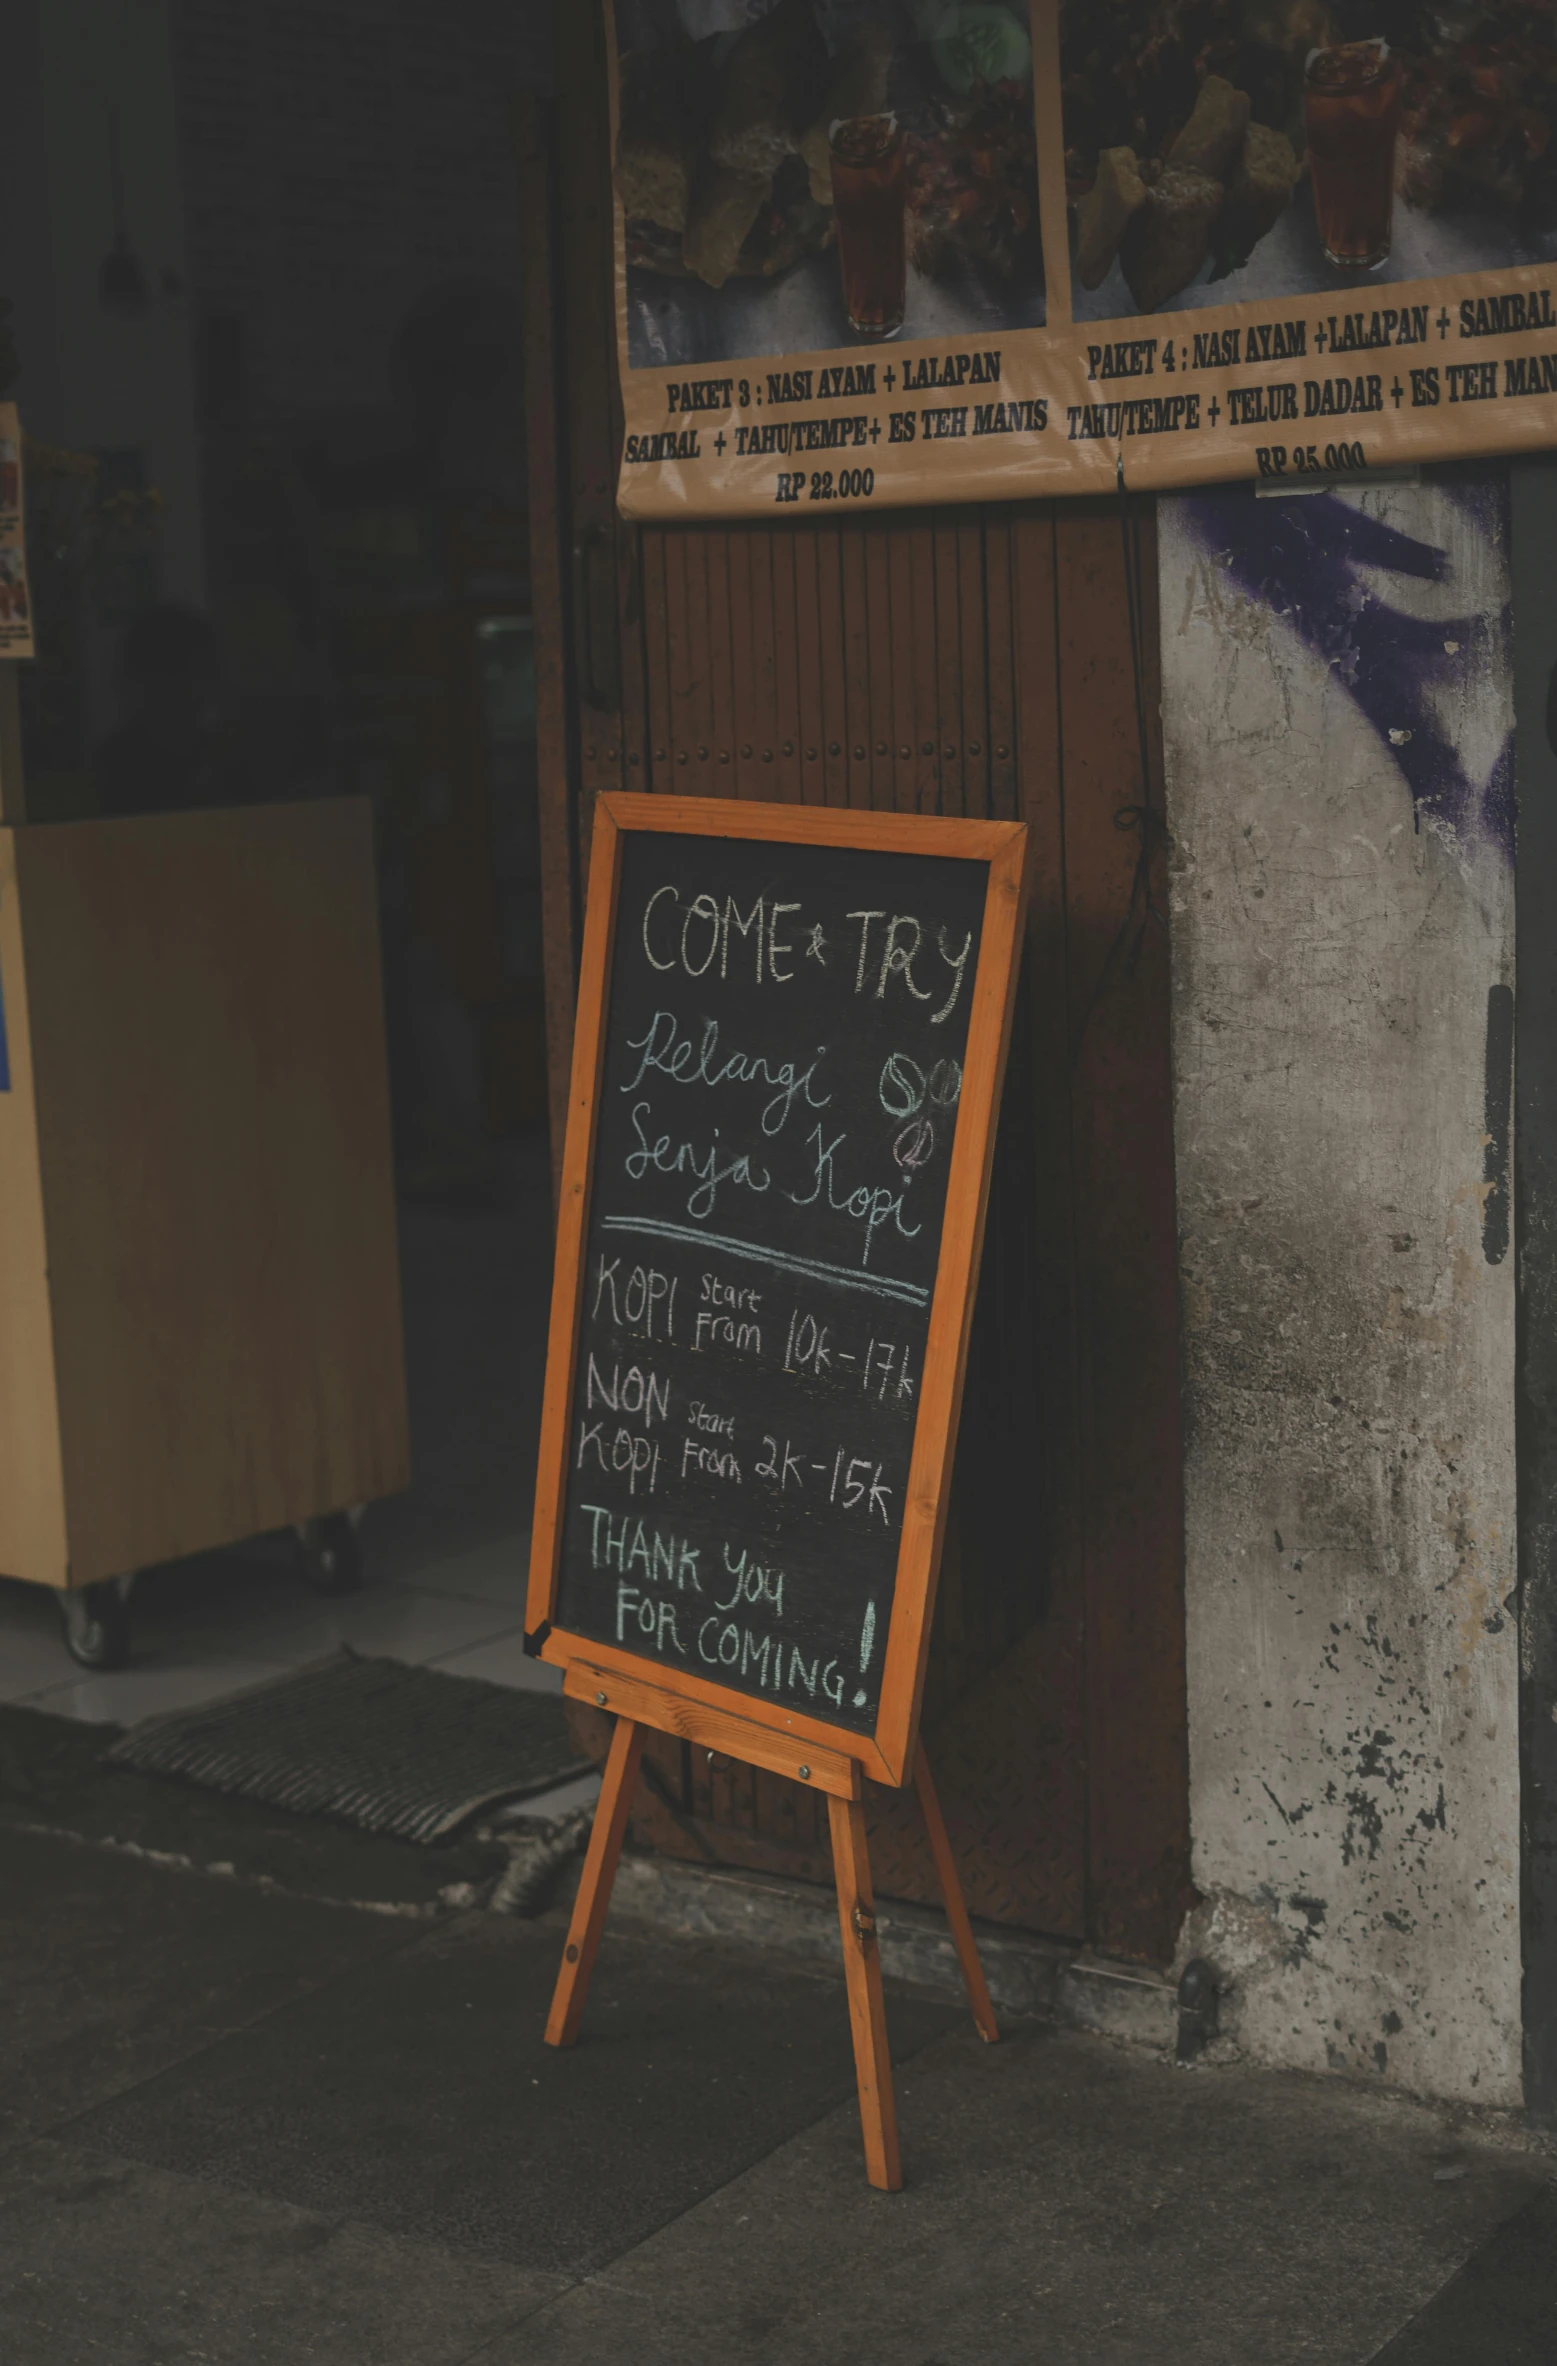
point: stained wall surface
(1337, 703)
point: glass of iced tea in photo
(1351, 107)
(867, 161)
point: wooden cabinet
(199, 1291)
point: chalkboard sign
(791, 1030)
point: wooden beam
(956, 1907)
(594, 1889)
(554, 752)
(13, 779)
(867, 2009)
(714, 1729)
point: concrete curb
(1025, 1974)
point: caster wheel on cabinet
(96, 1620)
(330, 1555)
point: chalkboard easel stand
(638, 1708)
(900, 1043)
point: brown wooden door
(942, 661)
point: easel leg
(867, 2012)
(956, 1909)
(594, 1889)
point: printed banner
(903, 251)
(15, 603)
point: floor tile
(106, 2260)
(502, 1659)
(32, 1648)
(113, 1969)
(541, 1806)
(1500, 2310)
(420, 2096)
(216, 1604)
(1070, 2201)
(404, 1623)
(287, 1627)
(122, 1696)
(493, 1572)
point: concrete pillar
(1337, 702)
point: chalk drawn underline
(879, 1285)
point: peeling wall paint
(1337, 709)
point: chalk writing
(776, 1123)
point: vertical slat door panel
(994, 647)
(973, 665)
(717, 776)
(685, 572)
(881, 750)
(999, 663)
(657, 658)
(1059, 1623)
(1117, 961)
(1004, 1722)
(788, 769)
(835, 704)
(856, 663)
(948, 648)
(810, 719)
(918, 557)
(761, 661)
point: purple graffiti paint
(1308, 560)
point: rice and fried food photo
(824, 172)
(1219, 151)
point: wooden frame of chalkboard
(754, 1725)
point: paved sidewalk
(241, 2127)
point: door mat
(371, 1742)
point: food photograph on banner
(824, 177)
(1233, 153)
(876, 251)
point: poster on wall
(15, 603)
(902, 251)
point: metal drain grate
(374, 1743)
